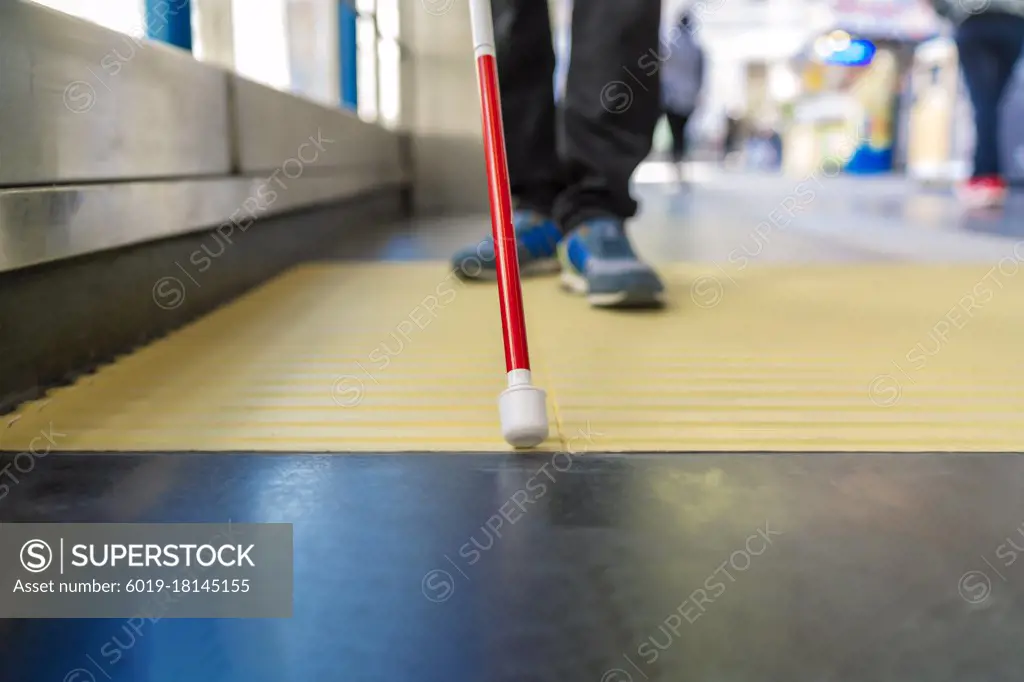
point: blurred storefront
(749, 45)
(853, 87)
(939, 128)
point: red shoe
(984, 192)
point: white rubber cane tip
(524, 416)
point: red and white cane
(522, 406)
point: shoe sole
(577, 284)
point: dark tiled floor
(677, 567)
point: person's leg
(684, 145)
(980, 64)
(612, 104)
(607, 122)
(677, 125)
(1007, 43)
(526, 66)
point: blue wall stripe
(170, 21)
(347, 55)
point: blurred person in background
(570, 164)
(989, 36)
(733, 134)
(682, 81)
(763, 148)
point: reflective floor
(816, 567)
(674, 567)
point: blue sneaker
(537, 238)
(598, 261)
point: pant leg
(526, 67)
(684, 136)
(677, 123)
(611, 106)
(980, 61)
(673, 127)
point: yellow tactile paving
(392, 357)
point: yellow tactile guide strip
(386, 357)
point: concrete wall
(96, 96)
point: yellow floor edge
(390, 357)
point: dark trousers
(988, 45)
(575, 163)
(677, 125)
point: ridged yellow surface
(393, 357)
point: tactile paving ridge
(403, 357)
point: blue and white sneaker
(599, 262)
(537, 239)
